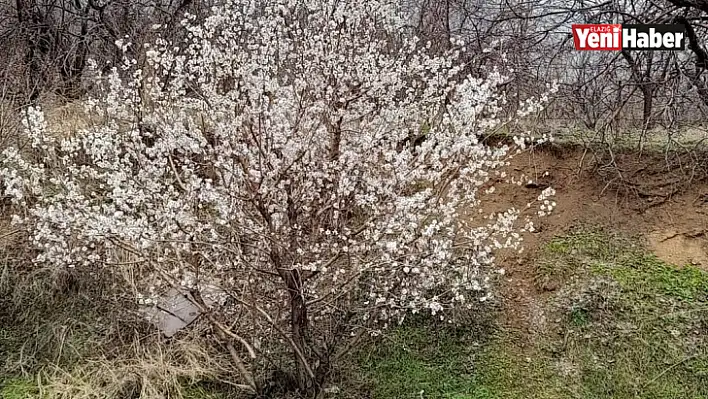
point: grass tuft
(416, 360)
(19, 388)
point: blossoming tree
(297, 167)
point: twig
(673, 366)
(8, 234)
(174, 170)
(287, 337)
(238, 362)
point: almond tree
(305, 170)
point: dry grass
(65, 340)
(73, 335)
(146, 370)
(67, 118)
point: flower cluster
(292, 152)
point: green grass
(564, 256)
(18, 388)
(648, 275)
(505, 370)
(199, 391)
(631, 326)
(424, 362)
(415, 359)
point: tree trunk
(648, 94)
(298, 318)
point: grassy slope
(622, 325)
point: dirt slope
(645, 196)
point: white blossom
(274, 147)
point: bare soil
(662, 200)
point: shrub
(298, 165)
